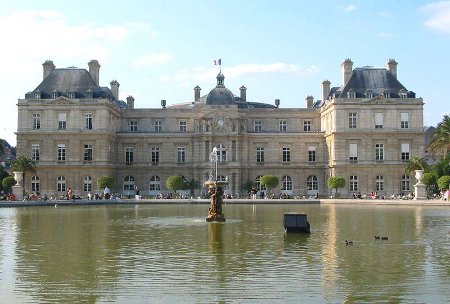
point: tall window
(312, 154)
(379, 183)
(404, 120)
(155, 156)
(352, 120)
(87, 153)
(181, 155)
(378, 120)
(405, 183)
(133, 126)
(307, 125)
(62, 121)
(353, 184)
(88, 121)
(35, 152)
(286, 155)
(87, 184)
(221, 153)
(258, 126)
(312, 183)
(61, 184)
(283, 126)
(260, 155)
(35, 184)
(405, 152)
(258, 183)
(183, 126)
(353, 152)
(61, 152)
(128, 183)
(157, 126)
(129, 155)
(286, 183)
(155, 183)
(36, 121)
(379, 152)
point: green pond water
(170, 254)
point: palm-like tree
(441, 137)
(23, 164)
(415, 163)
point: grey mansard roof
(369, 79)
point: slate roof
(376, 80)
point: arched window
(405, 183)
(155, 183)
(379, 183)
(312, 183)
(353, 183)
(87, 184)
(221, 153)
(286, 183)
(35, 184)
(61, 184)
(128, 183)
(258, 185)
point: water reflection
(170, 254)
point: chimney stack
(48, 67)
(392, 67)
(197, 90)
(243, 91)
(277, 103)
(163, 103)
(309, 101)
(347, 69)
(325, 89)
(94, 70)
(130, 102)
(115, 89)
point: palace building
(364, 129)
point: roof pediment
(62, 101)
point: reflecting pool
(170, 254)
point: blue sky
(277, 49)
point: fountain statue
(215, 190)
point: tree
(335, 182)
(2, 148)
(429, 179)
(105, 181)
(23, 164)
(441, 137)
(8, 182)
(269, 181)
(175, 182)
(444, 182)
(415, 163)
(192, 184)
(3, 174)
(247, 186)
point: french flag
(218, 62)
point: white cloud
(151, 59)
(439, 16)
(349, 8)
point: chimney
(309, 101)
(130, 102)
(94, 70)
(197, 90)
(325, 89)
(163, 103)
(243, 93)
(346, 70)
(277, 103)
(115, 89)
(48, 67)
(392, 67)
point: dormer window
(351, 93)
(37, 94)
(89, 94)
(71, 94)
(403, 93)
(386, 94)
(54, 94)
(369, 94)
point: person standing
(106, 193)
(69, 194)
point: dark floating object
(384, 238)
(296, 222)
(377, 237)
(348, 242)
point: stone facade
(363, 130)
